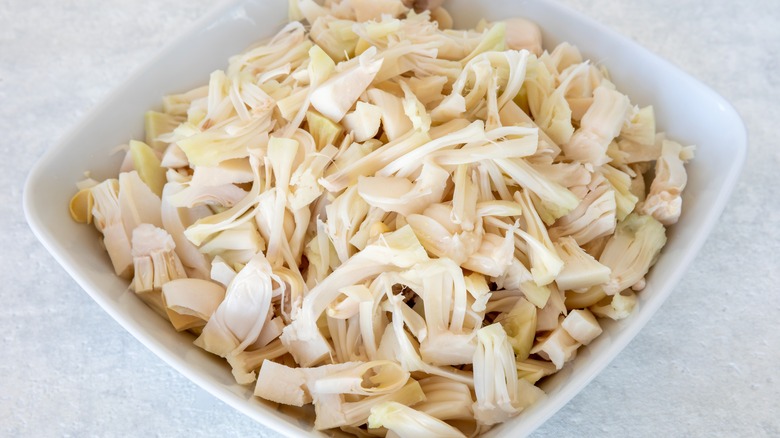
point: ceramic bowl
(685, 108)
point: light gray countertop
(706, 365)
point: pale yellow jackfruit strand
(580, 270)
(446, 315)
(582, 326)
(621, 184)
(664, 202)
(369, 378)
(344, 214)
(406, 422)
(333, 412)
(175, 221)
(398, 194)
(190, 302)
(178, 104)
(558, 347)
(246, 362)
(366, 10)
(395, 122)
(198, 232)
(344, 335)
(599, 126)
(154, 260)
(400, 249)
(520, 327)
(156, 124)
(618, 306)
(446, 399)
(81, 206)
(337, 95)
(555, 114)
(498, 391)
(281, 384)
(137, 203)
(335, 37)
(631, 251)
(281, 154)
(545, 263)
(364, 121)
(377, 159)
(594, 217)
(558, 200)
(442, 240)
(107, 217)
(239, 319)
(523, 34)
(532, 370)
(397, 345)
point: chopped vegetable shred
(405, 225)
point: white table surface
(706, 365)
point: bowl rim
(534, 416)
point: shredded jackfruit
(404, 225)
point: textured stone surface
(706, 364)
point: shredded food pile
(405, 225)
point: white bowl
(686, 109)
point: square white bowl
(686, 109)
